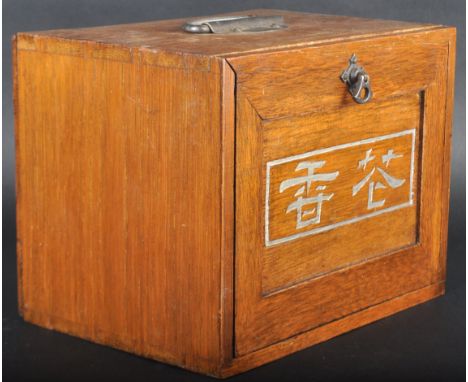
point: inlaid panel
(350, 180)
(325, 189)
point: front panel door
(337, 203)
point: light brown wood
(119, 204)
(141, 179)
(333, 329)
(307, 80)
(300, 301)
(227, 217)
(447, 155)
(168, 36)
(284, 265)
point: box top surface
(303, 29)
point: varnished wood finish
(333, 329)
(286, 264)
(228, 228)
(141, 155)
(168, 36)
(307, 80)
(263, 318)
(119, 204)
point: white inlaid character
(306, 217)
(376, 185)
(309, 206)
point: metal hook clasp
(357, 80)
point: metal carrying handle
(235, 24)
(357, 80)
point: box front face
(337, 203)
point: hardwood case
(218, 201)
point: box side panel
(441, 274)
(119, 206)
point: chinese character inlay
(308, 216)
(330, 187)
(375, 184)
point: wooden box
(219, 200)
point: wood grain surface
(290, 260)
(168, 36)
(119, 173)
(276, 295)
(141, 157)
